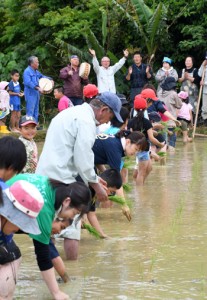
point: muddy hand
(126, 211)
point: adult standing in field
(73, 83)
(189, 79)
(203, 68)
(166, 71)
(32, 91)
(138, 75)
(105, 73)
(169, 97)
(67, 151)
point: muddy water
(161, 254)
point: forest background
(55, 29)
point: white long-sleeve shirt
(200, 73)
(105, 77)
(67, 151)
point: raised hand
(130, 70)
(126, 53)
(92, 52)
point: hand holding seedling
(126, 211)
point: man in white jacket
(203, 68)
(105, 72)
(67, 151)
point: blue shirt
(16, 89)
(156, 106)
(31, 79)
(108, 150)
(4, 239)
(112, 130)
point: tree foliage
(54, 29)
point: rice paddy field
(160, 254)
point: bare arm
(50, 280)
(125, 209)
(101, 193)
(170, 116)
(153, 140)
(93, 220)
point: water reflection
(161, 254)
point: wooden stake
(198, 103)
(201, 135)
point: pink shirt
(64, 103)
(184, 112)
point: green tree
(149, 23)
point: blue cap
(112, 101)
(74, 56)
(167, 60)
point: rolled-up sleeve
(83, 154)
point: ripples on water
(161, 254)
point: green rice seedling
(162, 131)
(161, 154)
(164, 123)
(128, 162)
(117, 199)
(92, 230)
(127, 187)
(177, 129)
(165, 129)
(120, 200)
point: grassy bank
(40, 136)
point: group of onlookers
(77, 148)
